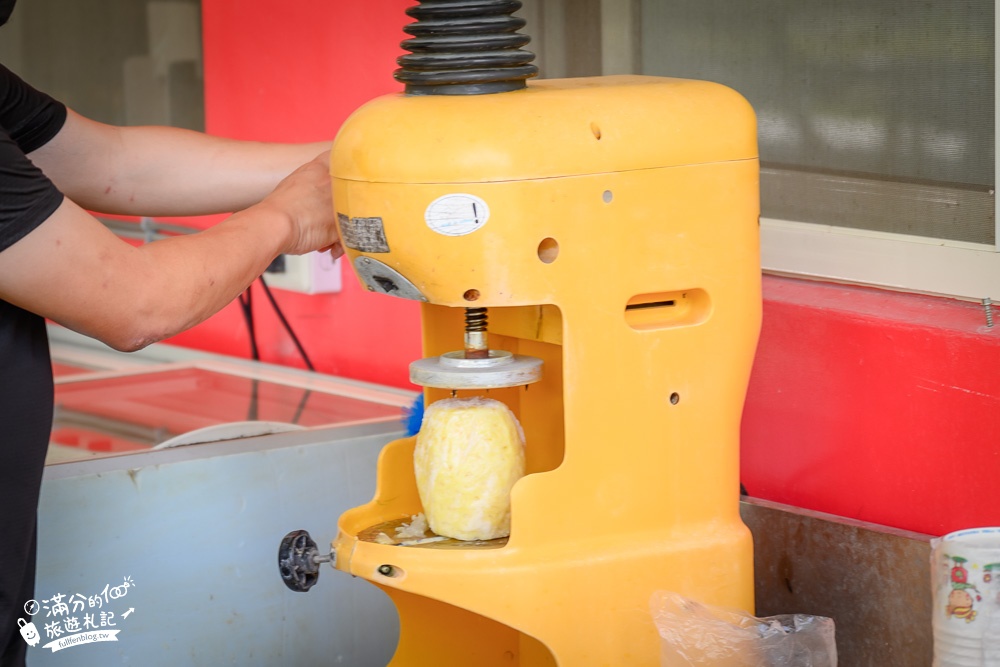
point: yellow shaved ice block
(469, 454)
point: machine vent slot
(652, 304)
(661, 310)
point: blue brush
(414, 416)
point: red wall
(293, 71)
(869, 404)
(875, 405)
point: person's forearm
(179, 172)
(75, 272)
(160, 171)
(202, 273)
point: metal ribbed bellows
(465, 47)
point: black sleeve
(28, 120)
(30, 117)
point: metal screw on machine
(988, 307)
(299, 560)
(476, 345)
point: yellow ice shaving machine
(605, 232)
(610, 226)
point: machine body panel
(611, 227)
(552, 129)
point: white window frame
(790, 247)
(896, 261)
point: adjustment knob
(299, 560)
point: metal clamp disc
(453, 371)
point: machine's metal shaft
(477, 366)
(476, 338)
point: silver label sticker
(363, 234)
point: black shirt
(28, 119)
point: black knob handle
(299, 560)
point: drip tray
(428, 541)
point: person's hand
(305, 198)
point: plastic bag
(693, 634)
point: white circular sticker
(457, 215)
